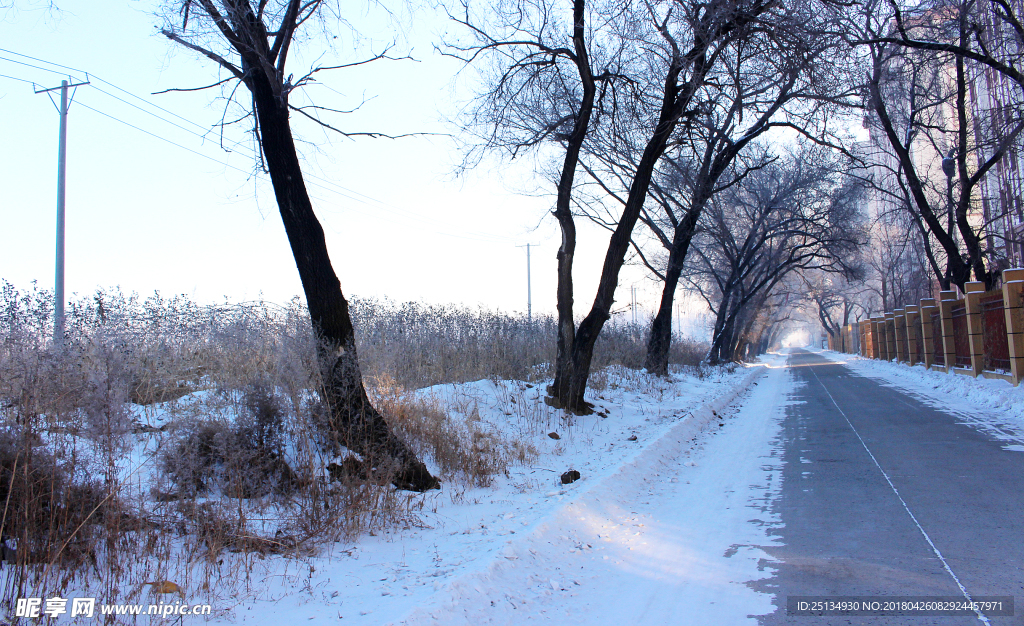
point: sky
(154, 203)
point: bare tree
(793, 214)
(936, 146)
(835, 297)
(252, 44)
(896, 259)
(775, 315)
(764, 320)
(787, 73)
(988, 33)
(542, 87)
(668, 48)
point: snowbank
(466, 537)
(663, 539)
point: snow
(666, 525)
(665, 529)
(656, 529)
(992, 406)
(666, 537)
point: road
(883, 495)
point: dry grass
(165, 440)
(420, 345)
(462, 447)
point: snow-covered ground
(993, 406)
(670, 537)
(665, 526)
(662, 527)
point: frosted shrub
(228, 393)
(45, 500)
(158, 349)
(230, 458)
(419, 345)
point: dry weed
(463, 449)
(223, 401)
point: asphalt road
(885, 496)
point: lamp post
(949, 169)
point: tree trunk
(561, 389)
(356, 423)
(741, 352)
(661, 330)
(720, 348)
(660, 341)
(956, 268)
(570, 383)
(571, 387)
(731, 338)
(718, 335)
(773, 338)
(768, 337)
(972, 242)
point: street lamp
(949, 169)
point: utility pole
(633, 306)
(62, 151)
(529, 288)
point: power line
(35, 67)
(15, 78)
(197, 125)
(164, 139)
(312, 179)
(152, 104)
(25, 56)
(321, 182)
(333, 188)
(163, 119)
(195, 152)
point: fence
(847, 340)
(981, 334)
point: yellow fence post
(899, 324)
(913, 323)
(879, 326)
(928, 332)
(946, 301)
(890, 336)
(883, 341)
(1013, 307)
(975, 334)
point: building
(920, 91)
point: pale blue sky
(145, 214)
